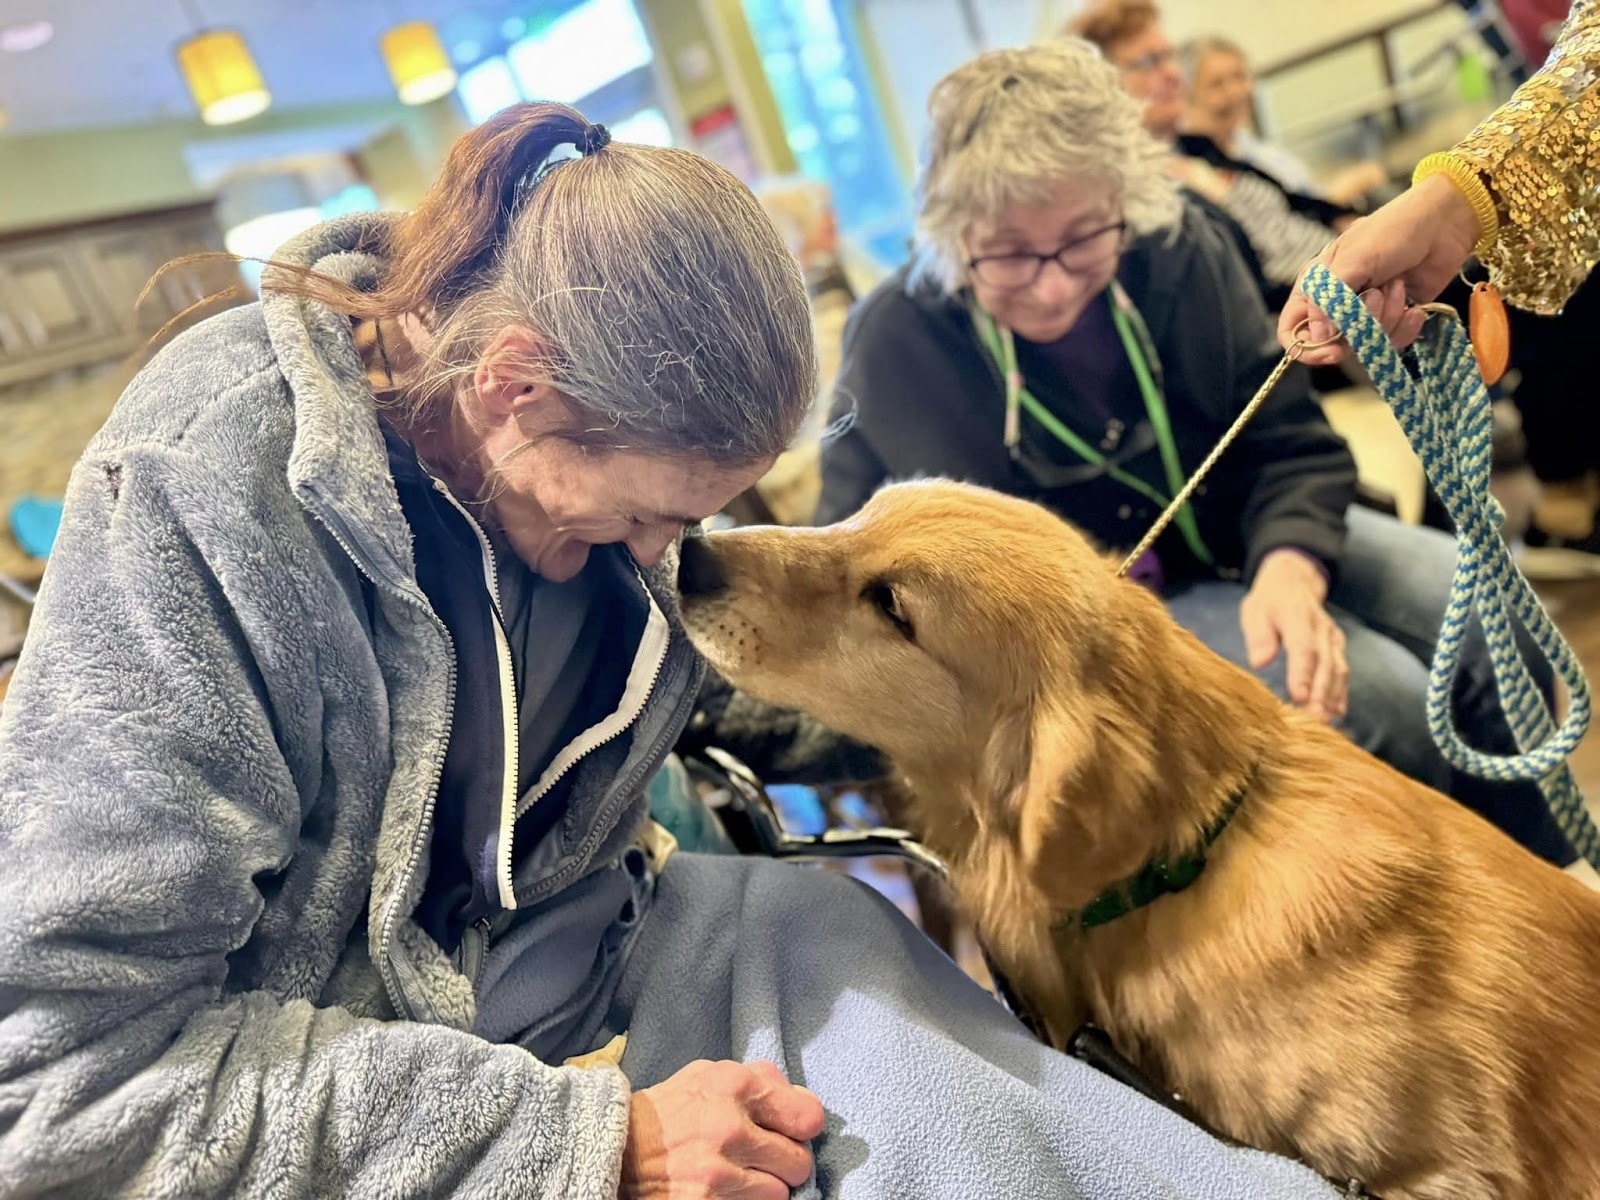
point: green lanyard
(1141, 353)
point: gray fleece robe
(218, 763)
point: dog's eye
(887, 601)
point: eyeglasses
(1080, 256)
(1149, 61)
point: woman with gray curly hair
(1071, 332)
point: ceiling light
(26, 35)
(417, 62)
(222, 77)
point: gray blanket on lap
(931, 1089)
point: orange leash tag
(1491, 332)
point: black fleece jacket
(928, 401)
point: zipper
(475, 950)
(652, 650)
(491, 575)
(387, 969)
(511, 729)
(651, 656)
(620, 795)
(607, 818)
(636, 694)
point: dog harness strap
(1001, 344)
(1156, 879)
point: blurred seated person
(1287, 227)
(1070, 332)
(1159, 74)
(1215, 127)
(1284, 229)
(802, 210)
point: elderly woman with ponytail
(326, 865)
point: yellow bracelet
(1470, 184)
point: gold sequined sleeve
(1540, 155)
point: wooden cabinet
(67, 295)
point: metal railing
(1404, 84)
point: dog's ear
(1063, 742)
(1034, 752)
(1007, 765)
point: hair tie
(593, 137)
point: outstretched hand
(1286, 607)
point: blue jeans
(1394, 582)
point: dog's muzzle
(700, 575)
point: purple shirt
(1104, 389)
(1092, 358)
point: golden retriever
(1365, 976)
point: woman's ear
(511, 374)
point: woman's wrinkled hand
(723, 1130)
(1286, 607)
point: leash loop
(1300, 345)
(1442, 404)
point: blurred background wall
(135, 132)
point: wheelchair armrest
(752, 821)
(860, 843)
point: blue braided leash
(1444, 408)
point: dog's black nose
(699, 572)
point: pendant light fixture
(221, 73)
(417, 61)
